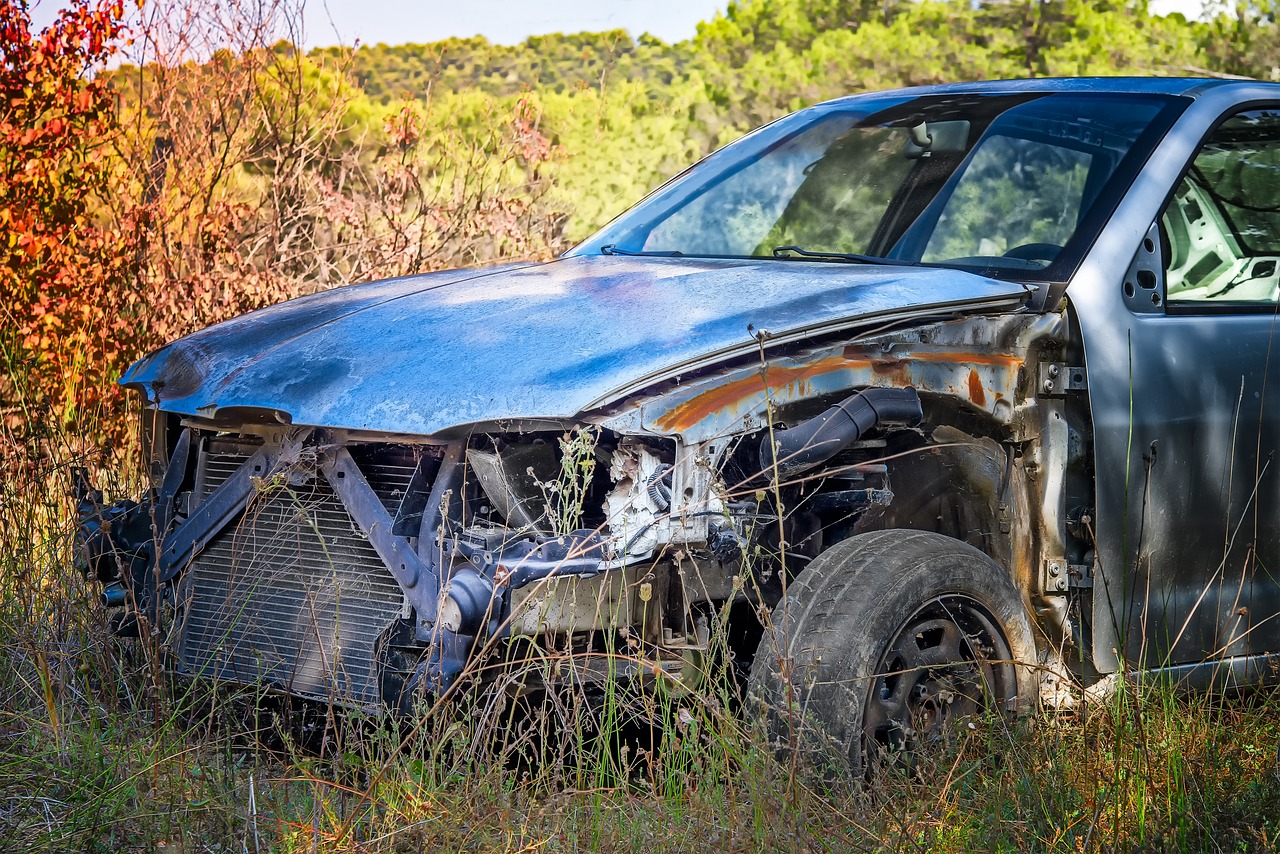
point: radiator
(291, 593)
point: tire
(883, 643)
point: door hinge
(1057, 577)
(1058, 378)
(1053, 577)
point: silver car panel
(1203, 390)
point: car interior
(1222, 228)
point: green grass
(98, 752)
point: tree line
(229, 170)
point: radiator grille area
(291, 593)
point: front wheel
(885, 642)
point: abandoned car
(942, 389)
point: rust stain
(899, 370)
(976, 392)
(722, 397)
(856, 353)
(888, 366)
(896, 371)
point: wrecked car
(939, 390)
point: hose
(813, 442)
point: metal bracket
(408, 519)
(214, 513)
(436, 515)
(1054, 576)
(1080, 575)
(1057, 577)
(353, 489)
(1058, 378)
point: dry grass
(99, 751)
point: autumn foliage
(156, 181)
(65, 283)
(143, 202)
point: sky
(330, 22)
(1190, 8)
(501, 21)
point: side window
(1222, 228)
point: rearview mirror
(937, 138)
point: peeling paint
(714, 404)
(555, 340)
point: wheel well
(951, 483)
(952, 475)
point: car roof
(1184, 86)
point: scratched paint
(437, 352)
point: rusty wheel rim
(948, 662)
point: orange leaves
(58, 274)
(405, 127)
(533, 145)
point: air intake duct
(813, 442)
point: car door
(1202, 550)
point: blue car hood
(424, 354)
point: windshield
(1012, 185)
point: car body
(1031, 319)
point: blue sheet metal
(424, 354)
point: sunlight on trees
(225, 170)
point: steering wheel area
(1046, 252)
